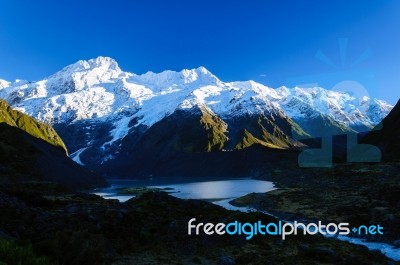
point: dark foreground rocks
(43, 223)
(360, 194)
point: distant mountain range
(112, 120)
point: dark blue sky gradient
(272, 42)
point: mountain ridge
(94, 105)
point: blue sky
(329, 43)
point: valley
(194, 143)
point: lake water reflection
(211, 190)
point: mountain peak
(84, 74)
(104, 63)
(198, 74)
(203, 70)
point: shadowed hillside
(36, 152)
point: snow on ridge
(168, 78)
(4, 84)
(76, 156)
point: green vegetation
(265, 131)
(29, 125)
(216, 130)
(139, 191)
(198, 130)
(13, 254)
(249, 140)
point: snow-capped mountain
(356, 113)
(95, 105)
